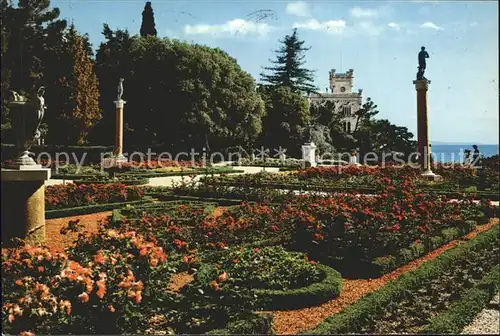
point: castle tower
(347, 101)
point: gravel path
(487, 321)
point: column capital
(119, 103)
(422, 84)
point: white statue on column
(120, 89)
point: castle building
(347, 102)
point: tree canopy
(179, 95)
(288, 67)
(148, 21)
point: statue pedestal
(115, 161)
(309, 154)
(23, 204)
(429, 175)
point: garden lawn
(292, 322)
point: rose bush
(72, 195)
(270, 267)
(211, 301)
(363, 228)
(91, 289)
(241, 224)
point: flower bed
(104, 285)
(64, 170)
(187, 226)
(388, 263)
(462, 312)
(362, 179)
(174, 209)
(408, 303)
(154, 164)
(360, 229)
(163, 172)
(72, 195)
(281, 279)
(123, 179)
(271, 162)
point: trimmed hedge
(220, 201)
(462, 312)
(304, 186)
(128, 182)
(154, 207)
(71, 176)
(259, 324)
(354, 316)
(388, 264)
(88, 209)
(311, 295)
(196, 171)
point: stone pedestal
(309, 154)
(23, 204)
(423, 129)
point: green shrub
(210, 302)
(270, 267)
(365, 310)
(314, 294)
(463, 312)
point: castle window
(348, 127)
(346, 111)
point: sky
(380, 40)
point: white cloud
(370, 28)
(236, 26)
(394, 26)
(331, 26)
(298, 8)
(431, 25)
(358, 12)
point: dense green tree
(288, 67)
(326, 113)
(75, 110)
(365, 114)
(29, 31)
(32, 28)
(112, 62)
(386, 136)
(180, 95)
(286, 119)
(148, 21)
(5, 74)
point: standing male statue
(120, 89)
(422, 55)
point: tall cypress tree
(288, 70)
(148, 21)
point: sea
(454, 153)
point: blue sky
(378, 39)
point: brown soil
(179, 280)
(57, 241)
(294, 321)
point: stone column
(119, 132)
(23, 204)
(309, 154)
(423, 129)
